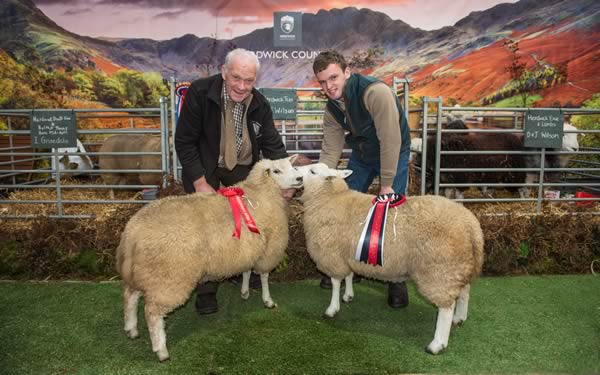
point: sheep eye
(277, 171)
(312, 171)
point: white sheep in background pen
(429, 239)
(171, 244)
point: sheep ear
(267, 172)
(345, 173)
(293, 158)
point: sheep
(173, 243)
(488, 142)
(72, 162)
(131, 143)
(430, 239)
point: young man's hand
(386, 190)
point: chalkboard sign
(51, 129)
(283, 102)
(543, 128)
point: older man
(224, 126)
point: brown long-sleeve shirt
(380, 102)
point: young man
(365, 114)
(225, 124)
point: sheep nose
(299, 179)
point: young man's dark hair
(324, 59)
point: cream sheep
(429, 239)
(130, 143)
(171, 244)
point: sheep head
(280, 171)
(319, 177)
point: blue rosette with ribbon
(370, 245)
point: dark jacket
(198, 134)
(362, 135)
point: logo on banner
(287, 29)
(180, 91)
(287, 24)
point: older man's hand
(301, 160)
(288, 194)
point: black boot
(326, 281)
(397, 295)
(206, 298)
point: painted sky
(163, 19)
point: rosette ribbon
(370, 245)
(239, 210)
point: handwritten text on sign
(283, 102)
(52, 129)
(543, 128)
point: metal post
(438, 147)
(424, 146)
(406, 98)
(405, 92)
(11, 145)
(164, 128)
(59, 204)
(175, 162)
(283, 134)
(541, 181)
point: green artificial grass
(516, 325)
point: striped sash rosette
(370, 245)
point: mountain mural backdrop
(558, 41)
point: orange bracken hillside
(105, 65)
(473, 76)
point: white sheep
(429, 239)
(171, 244)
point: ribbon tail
(235, 201)
(248, 218)
(361, 242)
(375, 240)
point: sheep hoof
(435, 348)
(347, 298)
(457, 322)
(163, 355)
(270, 304)
(330, 314)
(246, 294)
(133, 333)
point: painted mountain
(558, 40)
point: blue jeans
(363, 173)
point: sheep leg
(334, 305)
(524, 190)
(349, 292)
(442, 329)
(462, 306)
(246, 284)
(156, 328)
(266, 294)
(131, 298)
